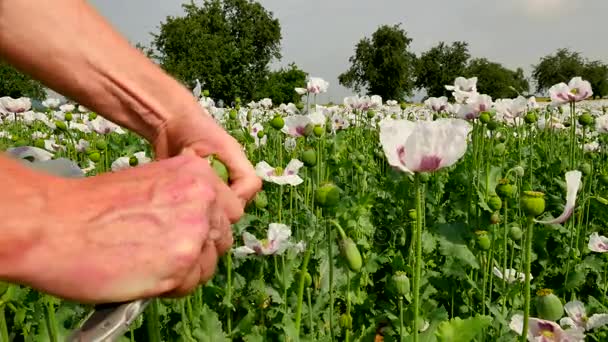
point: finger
(207, 262)
(221, 234)
(229, 202)
(243, 179)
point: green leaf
(210, 329)
(459, 330)
(452, 243)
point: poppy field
(460, 219)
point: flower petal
(596, 321)
(573, 183)
(393, 135)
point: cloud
(547, 9)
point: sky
(320, 35)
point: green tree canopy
(382, 65)
(440, 66)
(565, 64)
(280, 85)
(558, 67)
(227, 44)
(596, 73)
(16, 84)
(496, 80)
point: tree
(227, 44)
(497, 81)
(16, 84)
(440, 66)
(382, 65)
(596, 73)
(556, 68)
(280, 85)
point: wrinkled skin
(141, 232)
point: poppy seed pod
(548, 305)
(533, 203)
(401, 283)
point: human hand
(198, 131)
(154, 230)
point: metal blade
(109, 321)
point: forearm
(68, 46)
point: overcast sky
(320, 35)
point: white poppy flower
(424, 146)
(577, 317)
(545, 331)
(276, 243)
(598, 243)
(277, 175)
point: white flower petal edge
(573, 183)
(393, 135)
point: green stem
(3, 325)
(229, 293)
(418, 261)
(303, 271)
(527, 270)
(401, 318)
(152, 322)
(51, 321)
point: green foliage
(440, 66)
(227, 44)
(16, 84)
(558, 67)
(496, 80)
(565, 64)
(382, 65)
(279, 85)
(596, 73)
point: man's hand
(154, 230)
(199, 132)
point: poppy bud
(327, 195)
(101, 144)
(95, 157)
(495, 203)
(483, 240)
(318, 131)
(277, 122)
(261, 200)
(515, 233)
(504, 189)
(61, 125)
(220, 169)
(586, 120)
(530, 118)
(68, 117)
(309, 157)
(346, 321)
(351, 254)
(484, 117)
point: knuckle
(185, 254)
